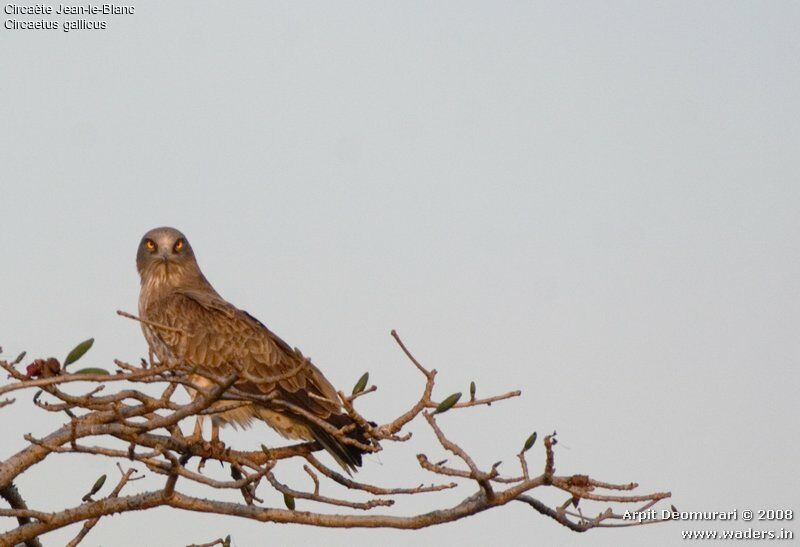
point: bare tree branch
(89, 524)
(14, 499)
(148, 426)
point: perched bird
(185, 322)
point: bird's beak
(164, 257)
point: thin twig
(151, 323)
(91, 523)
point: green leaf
(266, 452)
(78, 351)
(361, 384)
(529, 442)
(98, 484)
(92, 370)
(227, 541)
(448, 403)
(472, 389)
(288, 500)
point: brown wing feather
(218, 336)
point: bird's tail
(346, 455)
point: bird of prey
(185, 321)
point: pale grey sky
(594, 202)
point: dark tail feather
(346, 455)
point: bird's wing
(208, 332)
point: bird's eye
(178, 246)
(150, 245)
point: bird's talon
(218, 448)
(194, 440)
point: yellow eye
(178, 246)
(150, 245)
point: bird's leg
(196, 438)
(216, 444)
(197, 435)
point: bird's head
(165, 254)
